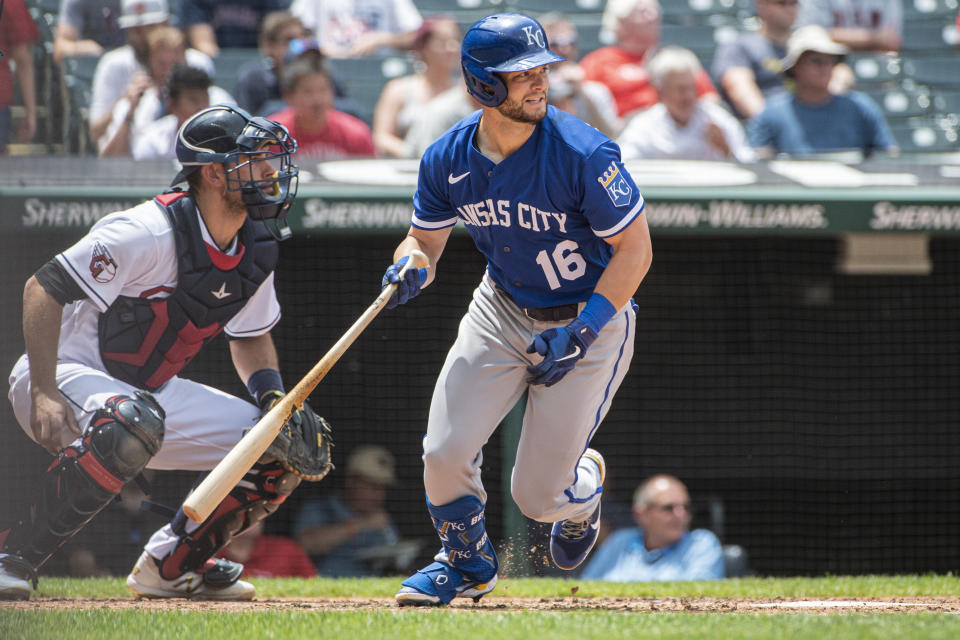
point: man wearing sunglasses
(662, 546)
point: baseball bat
(204, 499)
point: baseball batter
(108, 324)
(548, 202)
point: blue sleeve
(704, 559)
(611, 200)
(318, 512)
(431, 205)
(605, 558)
(759, 133)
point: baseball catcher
(108, 325)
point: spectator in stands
(438, 115)
(437, 47)
(662, 547)
(682, 125)
(212, 24)
(590, 101)
(258, 87)
(336, 529)
(123, 71)
(18, 33)
(322, 132)
(859, 25)
(268, 556)
(187, 92)
(86, 28)
(811, 119)
(748, 69)
(635, 25)
(355, 28)
(134, 112)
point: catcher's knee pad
(116, 446)
(463, 532)
(261, 492)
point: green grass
(426, 624)
(135, 625)
(824, 587)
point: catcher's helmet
(224, 134)
(498, 43)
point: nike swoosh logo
(453, 180)
(576, 352)
(595, 525)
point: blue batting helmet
(500, 43)
(222, 134)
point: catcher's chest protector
(146, 342)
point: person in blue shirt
(661, 547)
(811, 119)
(548, 202)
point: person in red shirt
(322, 132)
(265, 556)
(623, 66)
(18, 33)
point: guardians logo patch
(103, 267)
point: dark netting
(812, 414)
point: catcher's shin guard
(261, 492)
(116, 446)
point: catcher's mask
(225, 135)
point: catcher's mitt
(303, 444)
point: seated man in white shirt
(681, 125)
(187, 94)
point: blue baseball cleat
(439, 583)
(572, 540)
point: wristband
(597, 312)
(262, 381)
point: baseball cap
(372, 462)
(812, 37)
(139, 13)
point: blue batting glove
(409, 286)
(561, 349)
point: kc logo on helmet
(535, 37)
(102, 265)
(616, 185)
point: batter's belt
(545, 314)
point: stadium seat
(943, 71)
(699, 38)
(875, 68)
(735, 561)
(900, 101)
(946, 102)
(940, 11)
(929, 37)
(227, 66)
(362, 79)
(78, 85)
(936, 134)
